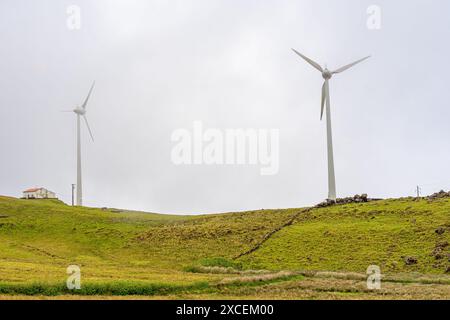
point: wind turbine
(327, 74)
(80, 111)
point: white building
(38, 193)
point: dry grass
(260, 278)
(308, 288)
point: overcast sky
(160, 65)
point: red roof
(33, 190)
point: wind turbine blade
(324, 97)
(89, 129)
(328, 93)
(350, 65)
(87, 98)
(311, 62)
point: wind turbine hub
(326, 74)
(80, 111)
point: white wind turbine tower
(81, 112)
(327, 74)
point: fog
(161, 65)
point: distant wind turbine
(327, 74)
(80, 111)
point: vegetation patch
(218, 265)
(105, 289)
(263, 278)
(221, 262)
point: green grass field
(136, 254)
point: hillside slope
(40, 238)
(397, 235)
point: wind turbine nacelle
(80, 111)
(326, 74)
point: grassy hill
(233, 254)
(352, 237)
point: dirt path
(267, 236)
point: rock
(442, 245)
(437, 254)
(355, 199)
(322, 204)
(439, 251)
(410, 260)
(440, 230)
(439, 195)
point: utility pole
(418, 191)
(73, 189)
